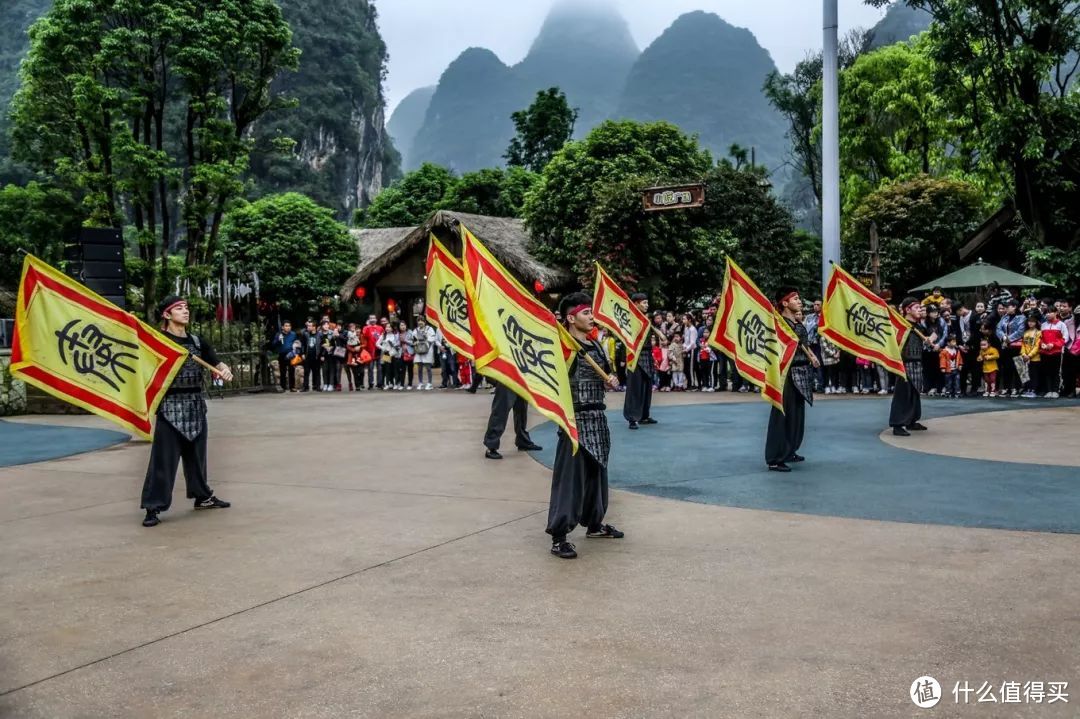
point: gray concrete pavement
(375, 565)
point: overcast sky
(424, 36)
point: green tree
(797, 96)
(494, 192)
(922, 224)
(37, 219)
(894, 125)
(300, 252)
(587, 206)
(105, 84)
(1008, 67)
(542, 130)
(409, 201)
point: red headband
(788, 296)
(169, 309)
(577, 309)
(909, 305)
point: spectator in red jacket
(371, 335)
(1053, 336)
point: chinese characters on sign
(90, 351)
(532, 353)
(673, 198)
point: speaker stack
(97, 260)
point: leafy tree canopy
(37, 219)
(542, 130)
(297, 248)
(106, 85)
(587, 206)
(922, 223)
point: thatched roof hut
(392, 260)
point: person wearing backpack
(423, 343)
(283, 345)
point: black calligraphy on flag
(622, 318)
(92, 352)
(533, 354)
(868, 325)
(454, 308)
(757, 338)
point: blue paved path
(713, 454)
(25, 443)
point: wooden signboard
(677, 197)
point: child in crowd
(951, 362)
(662, 355)
(867, 376)
(675, 355)
(830, 358)
(988, 355)
(1031, 354)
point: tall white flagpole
(830, 143)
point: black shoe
(916, 427)
(211, 502)
(530, 447)
(471, 390)
(649, 420)
(633, 425)
(493, 454)
(151, 519)
(796, 458)
(779, 467)
(900, 432)
(606, 531)
(563, 550)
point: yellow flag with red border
(902, 326)
(447, 305)
(859, 322)
(516, 339)
(76, 345)
(757, 339)
(613, 310)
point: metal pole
(830, 143)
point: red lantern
(361, 293)
(538, 286)
(391, 306)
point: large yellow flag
(74, 344)
(855, 319)
(613, 309)
(516, 339)
(749, 331)
(447, 306)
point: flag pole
(830, 141)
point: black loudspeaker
(97, 260)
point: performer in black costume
(501, 404)
(638, 402)
(786, 428)
(180, 432)
(906, 408)
(579, 482)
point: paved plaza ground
(375, 565)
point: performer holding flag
(786, 426)
(639, 388)
(906, 410)
(579, 480)
(181, 431)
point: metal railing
(242, 347)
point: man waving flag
(77, 346)
(446, 302)
(516, 340)
(753, 335)
(613, 310)
(858, 321)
